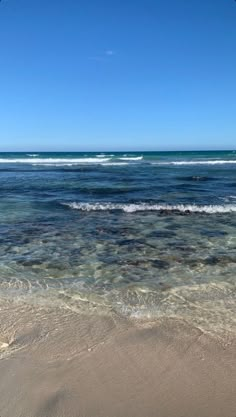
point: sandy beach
(58, 363)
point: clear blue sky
(117, 74)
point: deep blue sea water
(144, 234)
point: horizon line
(119, 151)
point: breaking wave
(111, 158)
(131, 158)
(206, 162)
(52, 161)
(132, 208)
(115, 163)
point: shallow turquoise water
(144, 234)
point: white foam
(52, 161)
(76, 163)
(115, 163)
(202, 162)
(107, 155)
(131, 158)
(55, 165)
(132, 208)
(32, 154)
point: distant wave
(131, 158)
(32, 154)
(105, 158)
(206, 162)
(101, 155)
(71, 164)
(114, 163)
(55, 165)
(52, 161)
(132, 208)
(228, 199)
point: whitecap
(132, 208)
(202, 162)
(52, 161)
(54, 165)
(131, 158)
(115, 163)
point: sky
(117, 75)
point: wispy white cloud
(109, 52)
(103, 56)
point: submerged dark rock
(159, 263)
(133, 242)
(162, 234)
(30, 262)
(213, 233)
(181, 247)
(173, 227)
(164, 286)
(127, 242)
(219, 260)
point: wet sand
(57, 363)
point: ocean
(144, 235)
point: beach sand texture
(69, 365)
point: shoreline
(67, 364)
